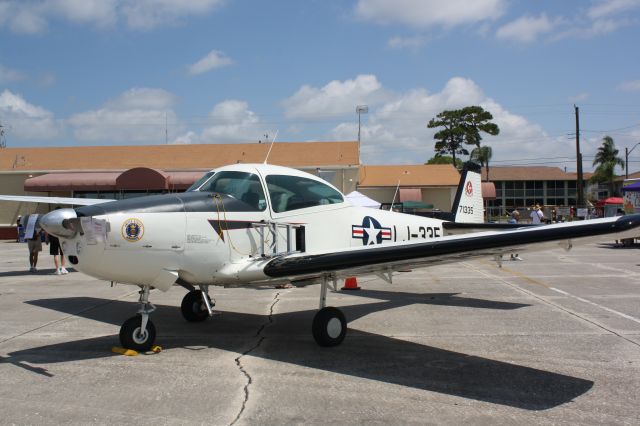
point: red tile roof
(178, 157)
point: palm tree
(482, 155)
(606, 159)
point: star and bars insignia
(370, 232)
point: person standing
(33, 236)
(515, 217)
(536, 215)
(55, 250)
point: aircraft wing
(389, 257)
(54, 200)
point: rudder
(468, 206)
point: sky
(124, 72)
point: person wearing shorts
(58, 257)
(35, 247)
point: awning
(632, 187)
(488, 191)
(610, 201)
(139, 178)
(183, 180)
(90, 181)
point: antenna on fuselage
(270, 147)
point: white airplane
(263, 225)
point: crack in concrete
(247, 352)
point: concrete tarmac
(554, 339)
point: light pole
(627, 151)
(361, 109)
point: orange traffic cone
(350, 284)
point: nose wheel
(138, 332)
(134, 336)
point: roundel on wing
(468, 189)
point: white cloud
(32, 17)
(630, 86)
(230, 121)
(138, 115)
(526, 29)
(414, 42)
(604, 8)
(25, 120)
(580, 97)
(426, 13)
(93, 12)
(214, 59)
(335, 98)
(148, 14)
(396, 131)
(8, 75)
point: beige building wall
(13, 184)
(441, 198)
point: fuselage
(227, 226)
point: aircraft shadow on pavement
(362, 354)
(49, 271)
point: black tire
(193, 308)
(329, 327)
(130, 336)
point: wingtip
(627, 222)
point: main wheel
(132, 337)
(329, 327)
(193, 307)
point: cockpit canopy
(286, 192)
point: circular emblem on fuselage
(468, 189)
(132, 230)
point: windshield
(242, 186)
(293, 193)
(200, 181)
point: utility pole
(3, 142)
(579, 159)
(627, 151)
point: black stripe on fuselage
(316, 264)
(220, 225)
(169, 203)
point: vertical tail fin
(468, 206)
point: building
(518, 186)
(433, 184)
(116, 172)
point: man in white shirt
(536, 215)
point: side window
(241, 186)
(292, 193)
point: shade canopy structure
(359, 199)
(609, 201)
(488, 191)
(138, 178)
(632, 187)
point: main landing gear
(329, 324)
(138, 332)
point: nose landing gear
(138, 332)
